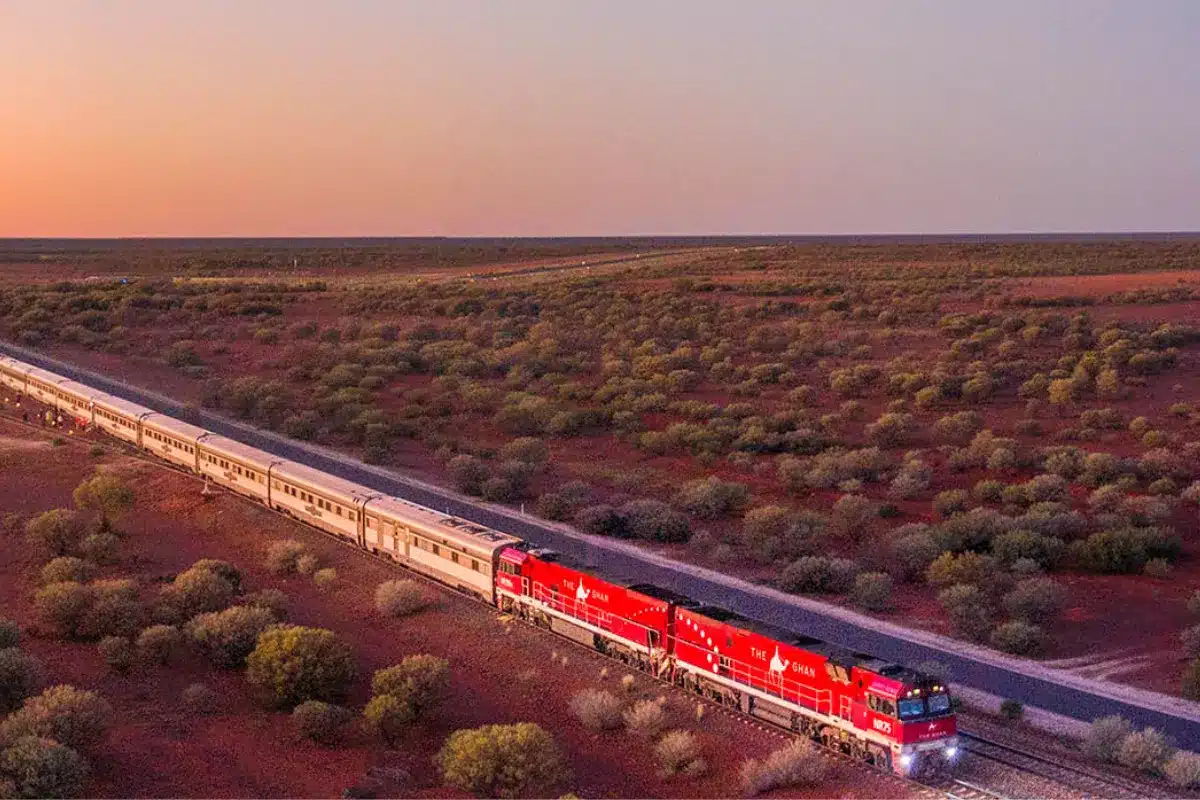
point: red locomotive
(882, 713)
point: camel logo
(778, 665)
(581, 594)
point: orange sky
(534, 117)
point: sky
(597, 117)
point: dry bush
(679, 752)
(41, 767)
(502, 761)
(1036, 600)
(390, 716)
(273, 600)
(1104, 737)
(1146, 750)
(1019, 638)
(61, 607)
(324, 579)
(400, 598)
(69, 716)
(100, 548)
(115, 610)
(1183, 770)
(283, 557)
(645, 718)
(200, 699)
(597, 709)
(56, 533)
(117, 652)
(21, 675)
(67, 568)
(307, 564)
(197, 590)
(798, 764)
(323, 723)
(419, 679)
(158, 644)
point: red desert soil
(1100, 285)
(500, 674)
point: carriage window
(881, 705)
(474, 565)
(353, 516)
(454, 557)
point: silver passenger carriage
(119, 417)
(320, 499)
(242, 468)
(454, 551)
(172, 440)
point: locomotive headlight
(906, 761)
(951, 752)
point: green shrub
(320, 722)
(41, 767)
(1183, 770)
(969, 568)
(951, 502)
(100, 548)
(873, 591)
(226, 638)
(69, 716)
(21, 675)
(502, 761)
(389, 716)
(117, 652)
(283, 557)
(989, 491)
(400, 598)
(1011, 710)
(224, 569)
(61, 607)
(324, 579)
(273, 600)
(420, 680)
(67, 568)
(598, 709)
(1104, 737)
(711, 498)
(1036, 600)
(158, 644)
(292, 664)
(198, 590)
(817, 574)
(1146, 750)
(798, 764)
(912, 553)
(115, 610)
(1019, 638)
(56, 533)
(653, 520)
(468, 473)
(968, 609)
(105, 493)
(678, 752)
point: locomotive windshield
(935, 705)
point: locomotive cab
(915, 711)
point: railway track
(1091, 784)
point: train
(885, 714)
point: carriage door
(845, 712)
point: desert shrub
(21, 675)
(527, 449)
(100, 548)
(1157, 568)
(873, 590)
(912, 553)
(1045, 488)
(10, 633)
(645, 718)
(468, 473)
(1120, 550)
(968, 609)
(105, 493)
(325, 578)
(389, 716)
(307, 564)
(957, 428)
(199, 699)
(774, 532)
(1190, 639)
(679, 752)
(283, 557)
(323, 723)
(967, 568)
(892, 429)
(795, 765)
(988, 491)
(1036, 600)
(818, 574)
(117, 652)
(951, 502)
(41, 767)
(1163, 487)
(712, 498)
(400, 598)
(597, 709)
(653, 520)
(420, 680)
(273, 600)
(62, 606)
(1183, 770)
(158, 644)
(292, 664)
(1045, 551)
(1011, 709)
(222, 568)
(197, 590)
(63, 713)
(56, 533)
(601, 520)
(1104, 737)
(67, 568)
(227, 637)
(1146, 750)
(1189, 687)
(852, 515)
(114, 610)
(912, 479)
(1019, 638)
(502, 761)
